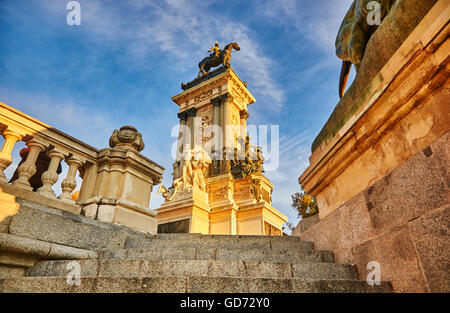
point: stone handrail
(39, 137)
(114, 179)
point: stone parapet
(402, 111)
(401, 221)
(118, 178)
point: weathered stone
(412, 189)
(64, 228)
(59, 268)
(395, 252)
(441, 150)
(381, 47)
(323, 271)
(430, 234)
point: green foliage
(304, 204)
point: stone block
(268, 269)
(430, 234)
(90, 210)
(399, 263)
(240, 285)
(59, 268)
(323, 271)
(65, 228)
(441, 150)
(412, 189)
(106, 213)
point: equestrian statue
(354, 34)
(217, 57)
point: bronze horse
(223, 59)
(354, 35)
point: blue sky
(128, 58)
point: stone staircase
(200, 264)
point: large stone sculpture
(251, 162)
(354, 34)
(217, 58)
(195, 164)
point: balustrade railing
(44, 141)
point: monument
(218, 182)
(379, 167)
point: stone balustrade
(116, 181)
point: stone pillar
(217, 144)
(228, 135)
(11, 138)
(50, 176)
(69, 183)
(88, 172)
(243, 122)
(191, 113)
(243, 129)
(182, 138)
(27, 169)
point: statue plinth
(222, 195)
(124, 182)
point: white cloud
(184, 31)
(294, 153)
(318, 21)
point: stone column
(216, 128)
(228, 135)
(191, 113)
(243, 116)
(69, 183)
(27, 169)
(182, 137)
(50, 176)
(11, 138)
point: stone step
(225, 254)
(210, 268)
(244, 242)
(191, 284)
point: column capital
(226, 97)
(182, 116)
(191, 112)
(75, 160)
(57, 153)
(33, 142)
(244, 114)
(8, 133)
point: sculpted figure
(220, 57)
(354, 34)
(215, 50)
(195, 164)
(200, 165)
(185, 181)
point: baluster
(11, 138)
(69, 183)
(27, 169)
(50, 176)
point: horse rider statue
(217, 58)
(215, 50)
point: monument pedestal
(380, 166)
(123, 184)
(217, 198)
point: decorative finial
(127, 137)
